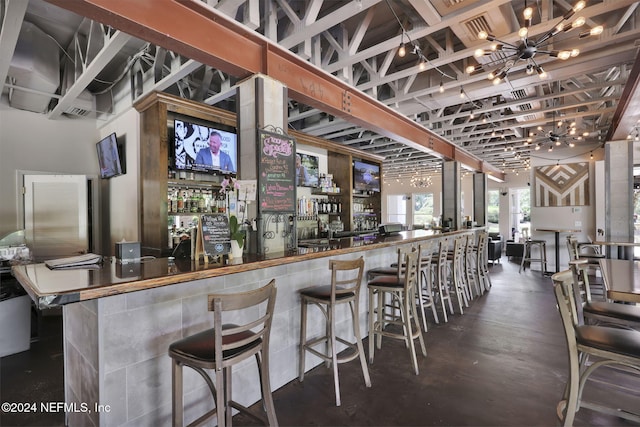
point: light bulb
(402, 51)
(523, 32)
(470, 69)
(596, 31)
(528, 12)
(478, 53)
(483, 35)
(441, 88)
(564, 54)
(575, 52)
(422, 66)
(571, 144)
(579, 6)
(578, 22)
(461, 93)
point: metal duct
(35, 65)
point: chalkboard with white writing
(215, 233)
(276, 168)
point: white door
(55, 210)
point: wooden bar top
(50, 288)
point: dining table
(625, 247)
(557, 232)
(622, 279)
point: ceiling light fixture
(416, 50)
(528, 48)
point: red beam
(197, 31)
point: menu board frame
(214, 233)
(276, 172)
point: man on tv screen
(302, 175)
(213, 156)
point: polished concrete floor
(502, 363)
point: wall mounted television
(192, 151)
(366, 176)
(111, 157)
(307, 174)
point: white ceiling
(67, 66)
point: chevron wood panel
(562, 185)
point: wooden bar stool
(427, 295)
(482, 261)
(403, 295)
(439, 274)
(456, 274)
(470, 266)
(222, 347)
(541, 246)
(346, 279)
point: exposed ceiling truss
(103, 70)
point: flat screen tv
(366, 176)
(307, 170)
(200, 148)
(110, 157)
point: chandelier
(420, 181)
(527, 48)
(561, 133)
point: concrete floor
(502, 363)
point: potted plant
(237, 236)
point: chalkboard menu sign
(276, 168)
(214, 229)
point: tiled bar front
(116, 347)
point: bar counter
(120, 319)
(50, 288)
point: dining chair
(224, 346)
(346, 280)
(589, 349)
(402, 292)
(602, 312)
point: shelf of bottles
(194, 198)
(365, 217)
(310, 207)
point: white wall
(124, 198)
(31, 142)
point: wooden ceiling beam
(198, 31)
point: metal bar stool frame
(346, 281)
(403, 295)
(610, 346)
(222, 347)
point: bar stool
(427, 295)
(541, 245)
(470, 265)
(222, 347)
(482, 261)
(346, 279)
(456, 274)
(403, 295)
(439, 274)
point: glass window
(493, 208)
(396, 209)
(422, 209)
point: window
(397, 209)
(493, 208)
(422, 209)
